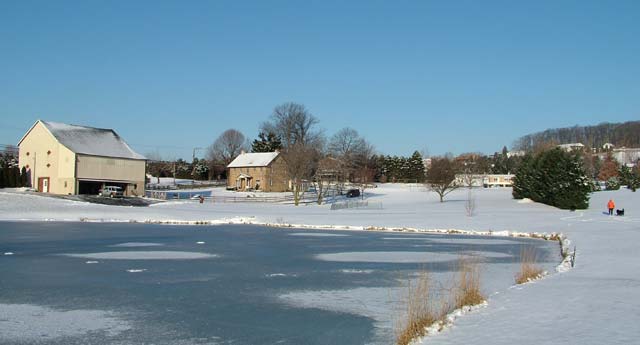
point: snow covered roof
(254, 159)
(91, 141)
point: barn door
(43, 184)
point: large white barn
(70, 159)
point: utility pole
(34, 172)
(193, 158)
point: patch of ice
(424, 238)
(316, 234)
(91, 262)
(403, 257)
(472, 241)
(136, 270)
(388, 257)
(377, 303)
(143, 255)
(8, 253)
(356, 271)
(25, 323)
(137, 244)
(273, 275)
(200, 242)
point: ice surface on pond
(200, 242)
(27, 323)
(136, 270)
(143, 255)
(8, 253)
(316, 234)
(389, 257)
(137, 244)
(91, 262)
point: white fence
(356, 204)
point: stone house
(259, 171)
(70, 159)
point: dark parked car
(352, 193)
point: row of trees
(619, 134)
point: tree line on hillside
(625, 134)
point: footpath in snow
(594, 303)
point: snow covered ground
(594, 303)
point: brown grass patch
(529, 269)
(424, 306)
(466, 289)
(420, 310)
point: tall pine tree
(267, 142)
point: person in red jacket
(611, 205)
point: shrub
(613, 184)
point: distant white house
(484, 180)
(515, 153)
(627, 156)
(571, 147)
(608, 146)
(498, 180)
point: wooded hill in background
(625, 134)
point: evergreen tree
(416, 167)
(2, 177)
(523, 180)
(11, 177)
(555, 178)
(267, 142)
(24, 178)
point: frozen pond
(79, 283)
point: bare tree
(293, 124)
(227, 147)
(441, 176)
(346, 144)
(300, 165)
(470, 203)
(364, 176)
(328, 173)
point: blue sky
(452, 76)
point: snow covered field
(594, 303)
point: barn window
(65, 184)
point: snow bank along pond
(79, 283)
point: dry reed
(425, 308)
(529, 270)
